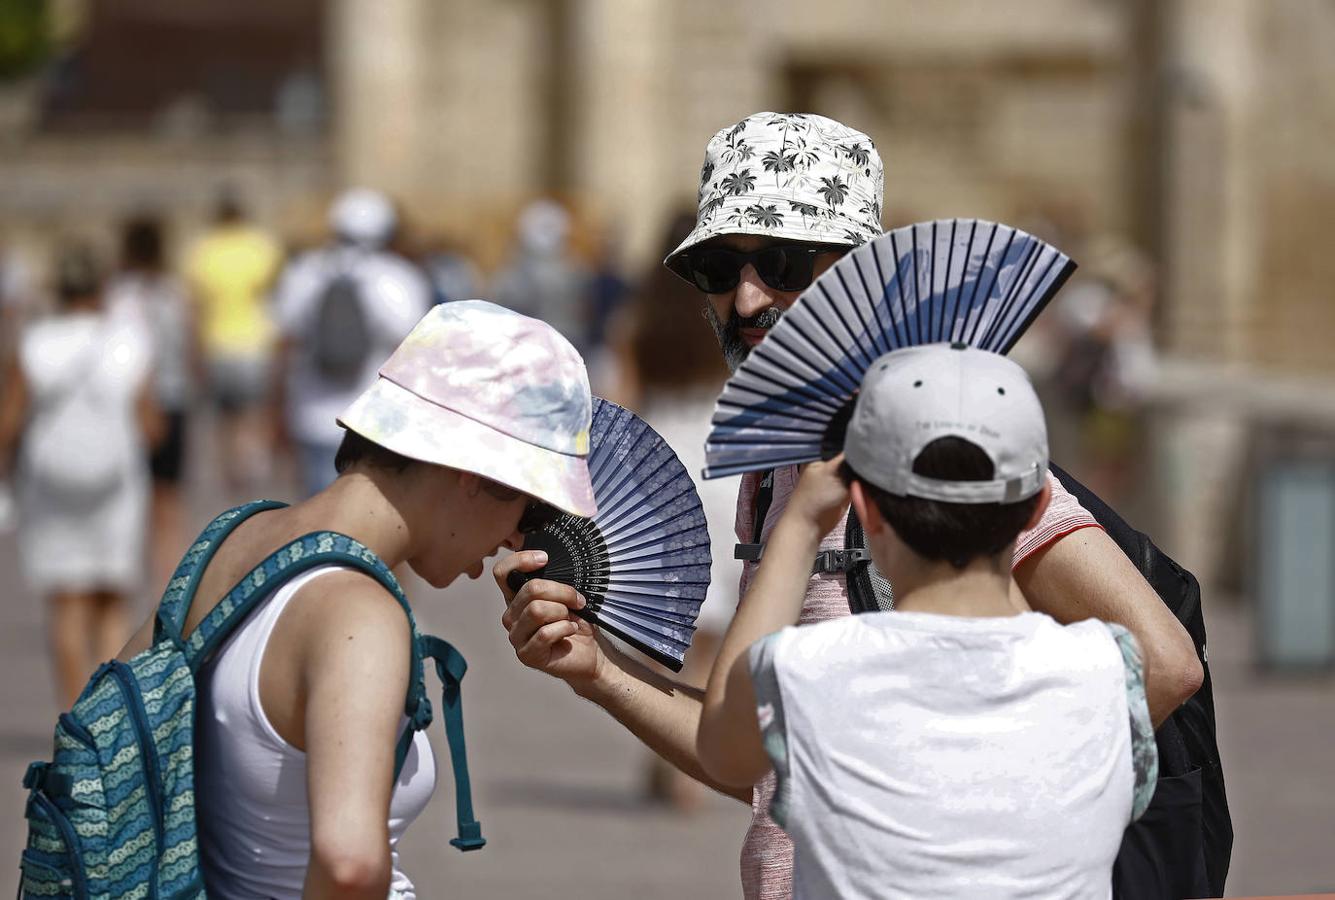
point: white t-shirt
(158, 305)
(924, 756)
(254, 813)
(394, 296)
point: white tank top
(250, 784)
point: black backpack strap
(170, 620)
(1183, 845)
(450, 666)
(319, 548)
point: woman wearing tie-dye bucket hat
(307, 770)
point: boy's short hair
(957, 533)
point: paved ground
(557, 782)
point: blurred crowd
(222, 364)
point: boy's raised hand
(821, 496)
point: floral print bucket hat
(481, 388)
(788, 175)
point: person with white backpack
(78, 417)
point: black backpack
(340, 336)
(1181, 846)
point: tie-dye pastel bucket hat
(797, 176)
(481, 388)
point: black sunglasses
(536, 516)
(784, 267)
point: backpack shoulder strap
(172, 611)
(319, 548)
(450, 666)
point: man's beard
(729, 334)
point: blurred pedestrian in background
(453, 275)
(1106, 362)
(14, 299)
(609, 288)
(230, 272)
(155, 300)
(341, 309)
(669, 371)
(79, 409)
(15, 295)
(543, 279)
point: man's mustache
(729, 334)
(766, 318)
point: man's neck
(981, 589)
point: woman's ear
(1044, 497)
(868, 513)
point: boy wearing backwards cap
(961, 744)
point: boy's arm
(729, 744)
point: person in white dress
(77, 418)
(145, 291)
(667, 369)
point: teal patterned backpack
(113, 814)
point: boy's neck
(981, 589)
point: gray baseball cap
(913, 396)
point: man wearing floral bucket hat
(309, 765)
(781, 197)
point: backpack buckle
(53, 784)
(422, 715)
(840, 560)
(33, 776)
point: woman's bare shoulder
(346, 617)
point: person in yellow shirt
(230, 271)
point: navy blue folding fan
(957, 280)
(643, 561)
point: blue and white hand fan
(956, 280)
(642, 562)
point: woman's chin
(442, 580)
(439, 580)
